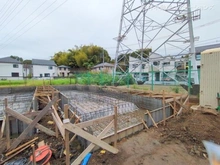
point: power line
(15, 15)
(7, 9)
(11, 12)
(30, 21)
(3, 7)
(34, 24)
(24, 19)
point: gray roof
(63, 66)
(9, 60)
(203, 48)
(105, 65)
(43, 62)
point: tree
(17, 58)
(28, 62)
(85, 56)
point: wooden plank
(20, 147)
(7, 125)
(33, 151)
(3, 127)
(145, 125)
(32, 125)
(77, 130)
(29, 121)
(24, 148)
(67, 146)
(95, 121)
(59, 125)
(164, 112)
(91, 146)
(175, 111)
(74, 136)
(155, 124)
(180, 111)
(172, 99)
(115, 125)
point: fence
(151, 78)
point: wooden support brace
(29, 121)
(3, 127)
(145, 125)
(155, 124)
(75, 129)
(183, 106)
(32, 125)
(91, 146)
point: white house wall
(6, 70)
(39, 69)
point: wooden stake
(115, 126)
(175, 111)
(7, 125)
(67, 146)
(33, 150)
(164, 112)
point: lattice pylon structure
(164, 26)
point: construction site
(112, 123)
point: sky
(38, 29)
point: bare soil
(178, 142)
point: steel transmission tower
(155, 25)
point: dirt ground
(178, 142)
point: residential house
(44, 68)
(200, 49)
(10, 68)
(156, 68)
(103, 67)
(63, 71)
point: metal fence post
(189, 77)
(152, 78)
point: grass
(34, 82)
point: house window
(60, 68)
(64, 68)
(15, 65)
(13, 74)
(156, 63)
(134, 65)
(143, 66)
(166, 63)
(50, 67)
(46, 74)
(198, 57)
(41, 75)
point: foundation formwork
(19, 102)
(92, 102)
